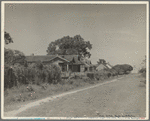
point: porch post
(67, 66)
(88, 69)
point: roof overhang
(60, 58)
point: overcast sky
(117, 32)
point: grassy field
(28, 93)
(126, 97)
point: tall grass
(17, 74)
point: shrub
(113, 72)
(33, 73)
(123, 69)
(71, 82)
(53, 73)
(143, 70)
(103, 74)
(13, 56)
(90, 75)
(10, 78)
(86, 79)
(96, 75)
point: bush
(104, 74)
(143, 70)
(53, 73)
(33, 73)
(113, 72)
(13, 56)
(86, 79)
(9, 77)
(90, 75)
(123, 69)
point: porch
(66, 67)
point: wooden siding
(82, 68)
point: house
(67, 63)
(103, 66)
(87, 64)
(108, 65)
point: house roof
(86, 62)
(70, 57)
(108, 65)
(46, 58)
(101, 66)
(40, 58)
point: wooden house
(67, 63)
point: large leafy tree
(12, 56)
(70, 46)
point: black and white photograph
(75, 60)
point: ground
(123, 97)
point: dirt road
(124, 97)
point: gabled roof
(59, 58)
(108, 65)
(101, 66)
(41, 58)
(69, 57)
(45, 58)
(86, 62)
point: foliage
(123, 69)
(17, 71)
(19, 74)
(7, 38)
(13, 56)
(142, 70)
(144, 61)
(101, 61)
(103, 74)
(113, 72)
(90, 75)
(70, 46)
(39, 65)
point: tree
(8, 39)
(12, 56)
(143, 68)
(101, 61)
(70, 46)
(144, 63)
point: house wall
(76, 68)
(57, 62)
(65, 65)
(100, 67)
(82, 68)
(91, 69)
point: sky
(117, 32)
